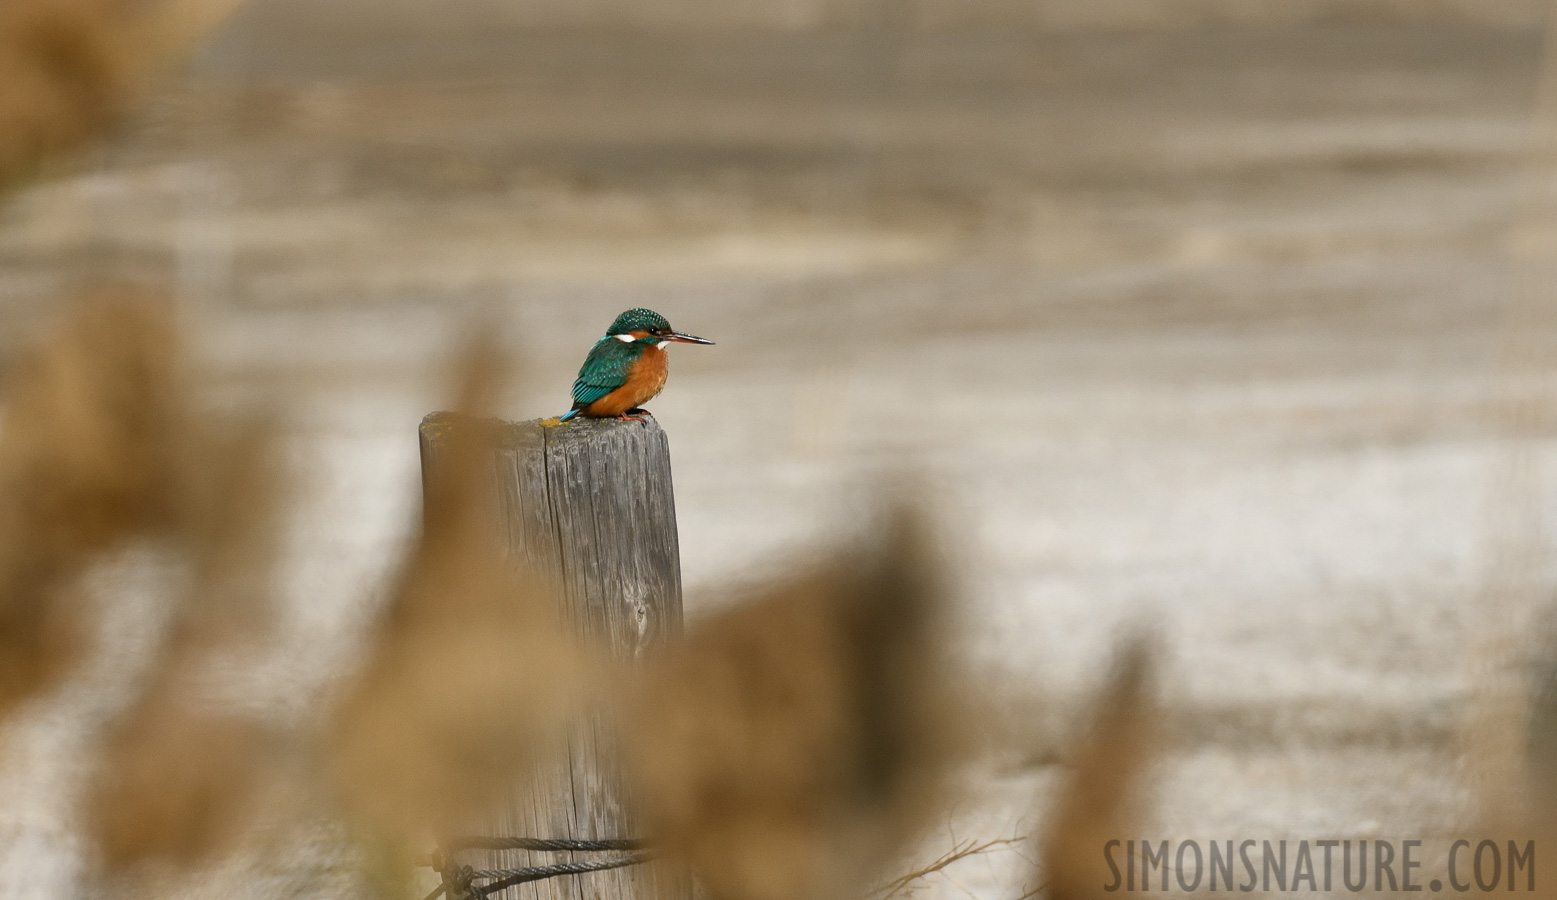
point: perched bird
(626, 368)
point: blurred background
(1190, 312)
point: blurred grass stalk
(87, 464)
(100, 450)
(1102, 800)
(1507, 634)
(179, 776)
(793, 744)
(471, 676)
(69, 69)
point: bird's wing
(605, 369)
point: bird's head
(648, 326)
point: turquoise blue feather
(605, 369)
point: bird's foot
(635, 414)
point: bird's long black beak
(686, 338)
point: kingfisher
(626, 368)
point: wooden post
(588, 504)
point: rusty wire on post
(458, 881)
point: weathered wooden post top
(590, 505)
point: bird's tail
(568, 415)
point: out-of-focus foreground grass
(799, 744)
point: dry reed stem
(1523, 413)
(70, 68)
(470, 673)
(1100, 802)
(1536, 816)
(793, 743)
(86, 463)
(64, 72)
(177, 782)
(178, 779)
(99, 449)
(961, 850)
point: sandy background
(1190, 329)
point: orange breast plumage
(644, 383)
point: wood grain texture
(589, 505)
